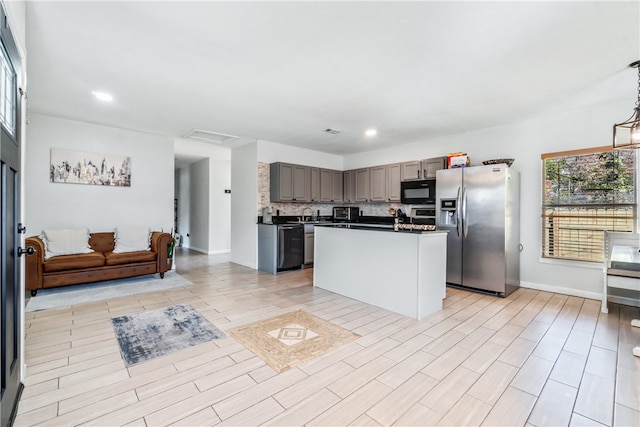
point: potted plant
(170, 248)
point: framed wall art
(79, 167)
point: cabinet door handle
(425, 173)
(418, 173)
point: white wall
(182, 184)
(244, 192)
(269, 152)
(525, 142)
(199, 206)
(215, 208)
(220, 207)
(244, 199)
(148, 202)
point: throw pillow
(132, 239)
(66, 242)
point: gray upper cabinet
(336, 186)
(348, 186)
(378, 186)
(290, 183)
(422, 169)
(330, 186)
(394, 173)
(325, 185)
(315, 184)
(298, 183)
(411, 171)
(431, 166)
(362, 185)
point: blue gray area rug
(150, 334)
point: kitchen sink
(309, 222)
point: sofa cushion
(132, 239)
(66, 242)
(102, 241)
(113, 258)
(73, 262)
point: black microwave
(418, 192)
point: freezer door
(449, 187)
(484, 201)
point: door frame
(15, 388)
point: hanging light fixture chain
(638, 101)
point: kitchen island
(401, 271)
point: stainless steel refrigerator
(480, 207)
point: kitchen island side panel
(432, 273)
(392, 270)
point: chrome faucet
(305, 210)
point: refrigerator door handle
(465, 222)
(458, 221)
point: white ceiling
(285, 71)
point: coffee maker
(267, 215)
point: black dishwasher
(290, 246)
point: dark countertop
(377, 227)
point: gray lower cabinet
(280, 247)
(308, 244)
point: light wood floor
(534, 358)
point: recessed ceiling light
(102, 96)
(371, 132)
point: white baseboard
(223, 251)
(245, 263)
(562, 290)
(193, 248)
(582, 294)
(202, 251)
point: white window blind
(586, 192)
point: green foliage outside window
(584, 195)
(597, 178)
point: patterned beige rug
(285, 341)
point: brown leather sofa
(102, 264)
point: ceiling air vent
(207, 136)
(332, 131)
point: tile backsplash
(367, 209)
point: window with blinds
(586, 192)
(7, 93)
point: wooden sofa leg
(34, 292)
(162, 275)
